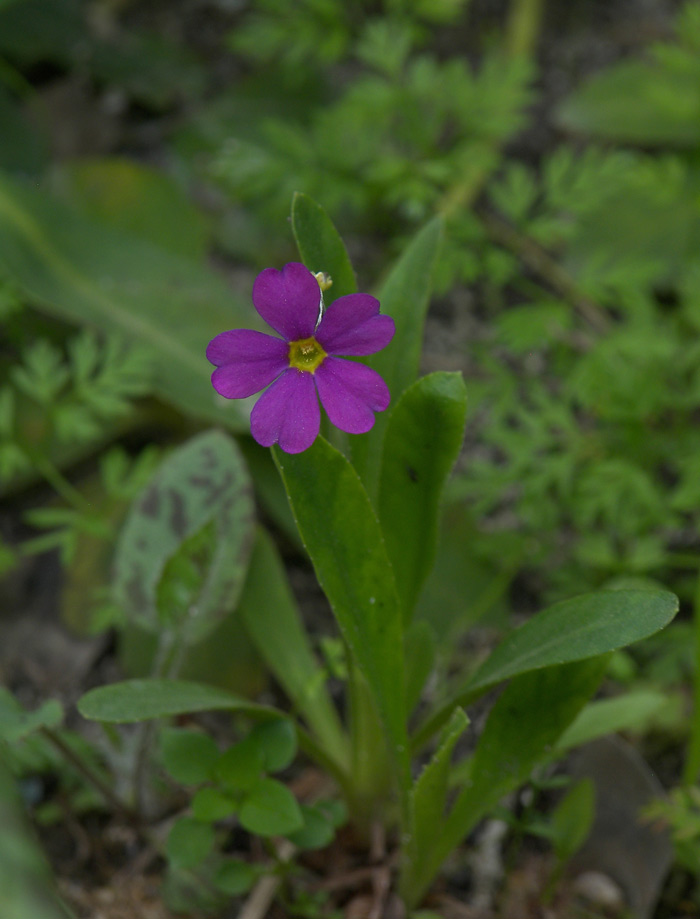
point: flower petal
(352, 325)
(288, 300)
(350, 394)
(247, 362)
(287, 413)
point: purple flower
(303, 365)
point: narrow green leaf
(182, 554)
(273, 621)
(422, 442)
(91, 274)
(526, 720)
(140, 700)
(404, 296)
(581, 627)
(321, 247)
(428, 797)
(419, 648)
(571, 630)
(270, 810)
(344, 540)
(572, 819)
(629, 712)
(188, 755)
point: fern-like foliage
(54, 398)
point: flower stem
(523, 28)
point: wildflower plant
(304, 362)
(366, 509)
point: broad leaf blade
(571, 630)
(183, 552)
(342, 535)
(273, 621)
(422, 442)
(575, 629)
(321, 247)
(139, 200)
(91, 274)
(141, 700)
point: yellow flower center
(306, 354)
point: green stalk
(60, 483)
(523, 27)
(692, 760)
(370, 767)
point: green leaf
(23, 149)
(16, 723)
(240, 767)
(571, 630)
(526, 720)
(419, 648)
(274, 623)
(138, 200)
(26, 880)
(189, 843)
(422, 442)
(574, 629)
(320, 246)
(270, 810)
(316, 833)
(404, 296)
(88, 273)
(629, 712)
(235, 877)
(278, 742)
(344, 540)
(140, 700)
(182, 554)
(210, 805)
(429, 795)
(638, 102)
(572, 819)
(188, 755)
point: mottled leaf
(183, 552)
